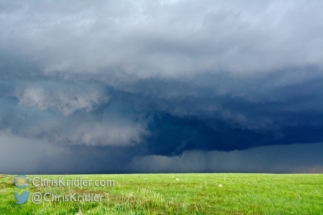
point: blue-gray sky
(161, 86)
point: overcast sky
(161, 86)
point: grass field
(176, 194)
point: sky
(161, 86)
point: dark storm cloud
(25, 156)
(299, 158)
(161, 77)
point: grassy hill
(168, 194)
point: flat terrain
(173, 194)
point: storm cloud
(162, 79)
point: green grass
(178, 194)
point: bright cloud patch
(64, 98)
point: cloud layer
(164, 38)
(162, 78)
